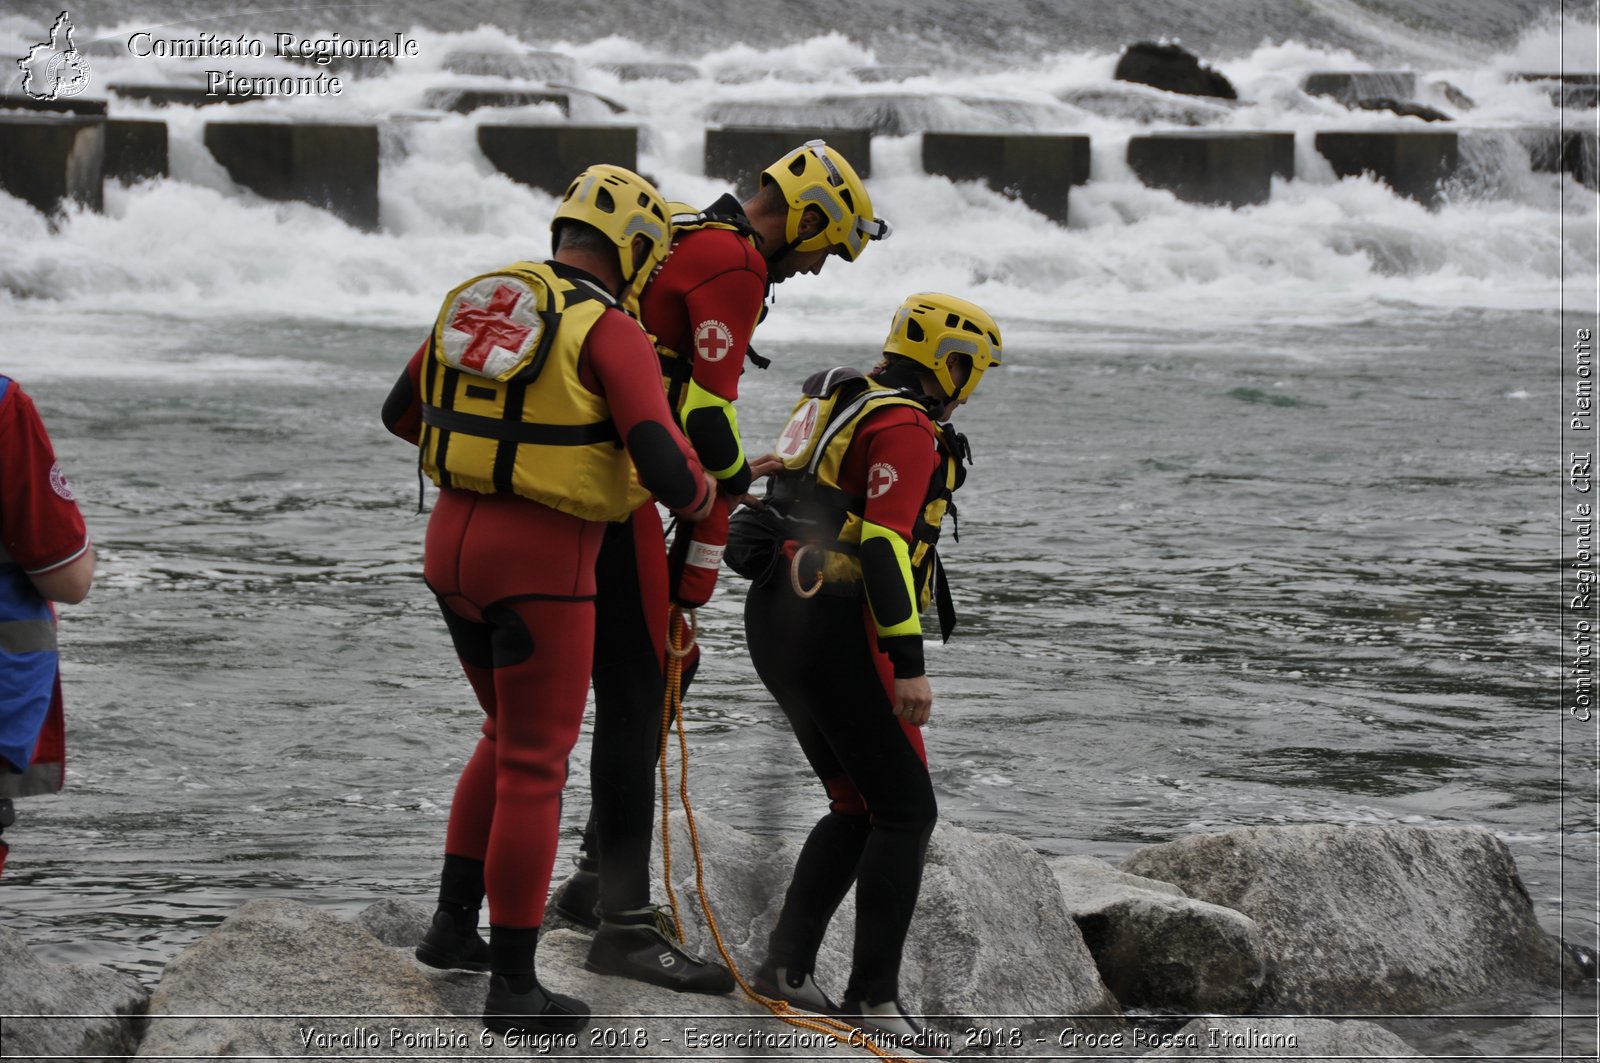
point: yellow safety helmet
(622, 205)
(815, 175)
(931, 329)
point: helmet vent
(797, 165)
(914, 331)
(604, 201)
(970, 327)
(849, 202)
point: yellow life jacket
(817, 511)
(503, 408)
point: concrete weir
(332, 166)
(550, 156)
(1414, 164)
(740, 153)
(465, 101)
(1037, 168)
(136, 148)
(174, 95)
(46, 160)
(1232, 169)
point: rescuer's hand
(703, 510)
(913, 700)
(766, 463)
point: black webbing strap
(553, 435)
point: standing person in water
(702, 306)
(533, 401)
(862, 479)
(45, 556)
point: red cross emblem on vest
(798, 430)
(712, 341)
(880, 478)
(490, 326)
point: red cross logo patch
(712, 341)
(798, 430)
(880, 478)
(490, 326)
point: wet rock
(1285, 1039)
(991, 934)
(1173, 69)
(396, 922)
(1158, 950)
(1386, 919)
(1454, 96)
(1144, 105)
(1404, 108)
(38, 991)
(275, 978)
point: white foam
(199, 246)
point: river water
(1264, 525)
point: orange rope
(838, 1029)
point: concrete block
(465, 101)
(72, 105)
(676, 72)
(1037, 168)
(1362, 84)
(739, 154)
(135, 149)
(549, 156)
(175, 95)
(1233, 169)
(1414, 164)
(331, 166)
(47, 160)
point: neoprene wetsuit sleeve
(900, 457)
(402, 410)
(721, 312)
(626, 371)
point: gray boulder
(991, 934)
(1157, 949)
(1286, 1039)
(31, 987)
(1384, 919)
(280, 978)
(396, 922)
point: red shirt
(40, 525)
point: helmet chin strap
(907, 376)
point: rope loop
(794, 573)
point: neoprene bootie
(533, 1009)
(517, 1003)
(894, 1025)
(453, 941)
(578, 899)
(453, 944)
(640, 944)
(795, 987)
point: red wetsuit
(703, 304)
(516, 582)
(834, 678)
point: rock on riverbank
(1322, 919)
